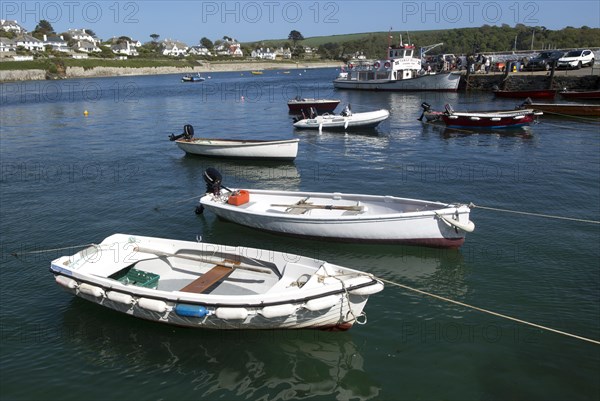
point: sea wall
(520, 81)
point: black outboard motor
(213, 181)
(188, 133)
(426, 107)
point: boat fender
(154, 305)
(377, 65)
(468, 227)
(120, 298)
(350, 66)
(232, 313)
(387, 64)
(322, 303)
(189, 310)
(278, 310)
(66, 282)
(369, 290)
(92, 290)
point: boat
(319, 105)
(279, 149)
(192, 78)
(346, 120)
(589, 95)
(401, 71)
(339, 216)
(482, 119)
(524, 94)
(256, 72)
(564, 109)
(203, 285)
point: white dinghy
(340, 216)
(215, 286)
(346, 120)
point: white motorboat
(346, 120)
(340, 216)
(282, 149)
(215, 286)
(401, 71)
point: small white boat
(286, 149)
(215, 286)
(342, 217)
(344, 121)
(282, 149)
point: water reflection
(267, 365)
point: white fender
(469, 227)
(232, 313)
(154, 305)
(66, 282)
(322, 303)
(119, 297)
(278, 310)
(92, 290)
(371, 289)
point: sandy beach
(80, 72)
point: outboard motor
(213, 181)
(426, 107)
(188, 133)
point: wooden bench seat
(208, 279)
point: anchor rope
(491, 312)
(472, 205)
(17, 254)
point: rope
(492, 312)
(17, 254)
(472, 205)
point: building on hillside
(263, 54)
(124, 48)
(86, 47)
(199, 50)
(282, 53)
(57, 43)
(28, 42)
(11, 26)
(174, 48)
(82, 35)
(7, 45)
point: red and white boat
(483, 119)
(319, 105)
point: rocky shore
(80, 72)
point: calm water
(68, 180)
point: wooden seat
(208, 279)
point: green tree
(295, 36)
(43, 28)
(206, 43)
(155, 37)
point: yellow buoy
(85, 113)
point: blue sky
(191, 20)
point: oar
(205, 260)
(328, 207)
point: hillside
(459, 41)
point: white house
(7, 45)
(86, 46)
(82, 35)
(199, 50)
(283, 53)
(57, 43)
(174, 48)
(263, 54)
(11, 26)
(29, 42)
(124, 48)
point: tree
(155, 37)
(206, 43)
(42, 28)
(295, 36)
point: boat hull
(534, 94)
(433, 82)
(334, 300)
(568, 109)
(383, 222)
(591, 95)
(243, 149)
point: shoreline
(97, 72)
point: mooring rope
(472, 205)
(17, 254)
(491, 312)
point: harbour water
(68, 179)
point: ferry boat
(401, 71)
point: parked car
(544, 60)
(576, 59)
